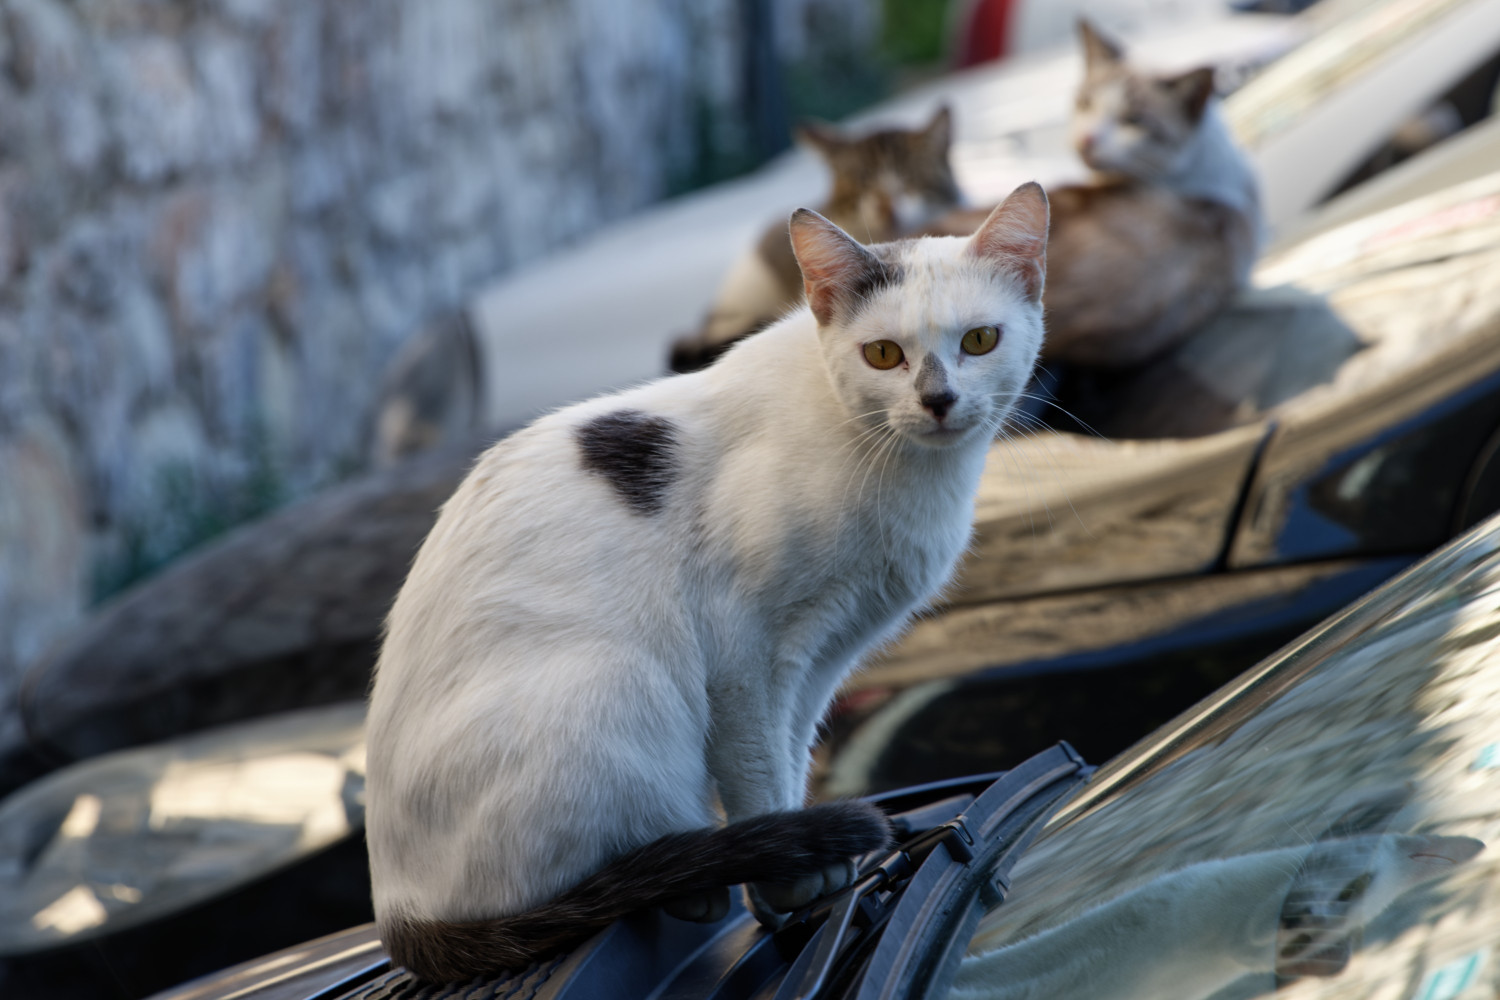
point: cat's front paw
(700, 907)
(771, 901)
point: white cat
(1190, 933)
(634, 612)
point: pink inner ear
(832, 262)
(1015, 237)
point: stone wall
(219, 220)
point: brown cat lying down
(886, 184)
(1165, 234)
(1133, 269)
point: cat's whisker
(1064, 411)
(887, 448)
(864, 457)
(879, 411)
(1009, 456)
(1043, 438)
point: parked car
(1378, 724)
(1172, 564)
(286, 613)
(1114, 573)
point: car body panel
(1315, 115)
(1027, 632)
(1099, 699)
(336, 962)
(1472, 153)
(1059, 512)
(1415, 408)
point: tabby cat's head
(890, 182)
(934, 338)
(1130, 123)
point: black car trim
(378, 963)
(1243, 497)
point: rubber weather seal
(921, 903)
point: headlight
(128, 837)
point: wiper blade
(917, 892)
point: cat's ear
(1099, 53)
(820, 137)
(1192, 90)
(1014, 237)
(835, 268)
(938, 133)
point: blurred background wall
(220, 219)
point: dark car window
(1319, 831)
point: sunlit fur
(1163, 235)
(1165, 130)
(1190, 933)
(566, 676)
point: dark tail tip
(776, 847)
(693, 353)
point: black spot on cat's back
(635, 452)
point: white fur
(565, 678)
(1214, 167)
(1207, 164)
(1190, 933)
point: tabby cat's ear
(1014, 237)
(939, 131)
(1099, 53)
(820, 137)
(836, 270)
(1192, 90)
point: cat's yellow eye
(980, 340)
(883, 354)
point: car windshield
(127, 837)
(1317, 830)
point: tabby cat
(886, 184)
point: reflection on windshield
(1246, 921)
(1320, 841)
(133, 835)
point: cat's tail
(776, 847)
(694, 352)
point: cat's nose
(939, 403)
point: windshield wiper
(923, 903)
